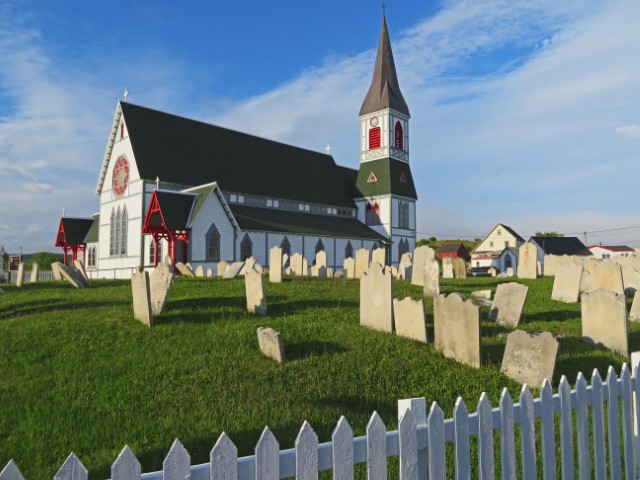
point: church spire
(384, 91)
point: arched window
(403, 214)
(319, 246)
(213, 244)
(398, 136)
(507, 261)
(246, 247)
(376, 213)
(403, 247)
(91, 256)
(348, 250)
(368, 214)
(112, 232)
(286, 250)
(124, 219)
(374, 138)
(118, 231)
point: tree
(549, 234)
(44, 260)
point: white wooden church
(203, 193)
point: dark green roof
(283, 221)
(190, 153)
(389, 173)
(76, 229)
(176, 209)
(94, 231)
(201, 193)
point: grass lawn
(78, 373)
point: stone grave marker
(78, 270)
(233, 270)
(376, 295)
(420, 257)
(589, 265)
(20, 276)
(321, 259)
(68, 275)
(254, 286)
(528, 261)
(486, 294)
(199, 271)
(530, 357)
(509, 272)
(184, 269)
(221, 268)
(492, 271)
(457, 329)
(405, 266)
(285, 260)
(459, 268)
(297, 264)
(607, 275)
(566, 284)
(349, 267)
(249, 264)
(56, 272)
(209, 273)
(34, 272)
(630, 276)
(160, 282)
(447, 267)
(409, 319)
(379, 255)
(508, 304)
(550, 265)
(271, 345)
(431, 278)
(604, 320)
(275, 265)
(362, 262)
(141, 292)
(634, 312)
(305, 267)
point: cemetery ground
(78, 373)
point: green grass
(78, 373)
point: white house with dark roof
(203, 193)
(498, 249)
(607, 252)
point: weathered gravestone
(254, 286)
(221, 268)
(509, 272)
(209, 273)
(321, 259)
(447, 267)
(67, 275)
(275, 265)
(362, 262)
(78, 270)
(34, 272)
(604, 320)
(199, 271)
(508, 304)
(184, 269)
(634, 312)
(249, 264)
(56, 272)
(160, 284)
(420, 257)
(379, 255)
(550, 265)
(459, 268)
(431, 278)
(349, 267)
(20, 276)
(530, 357)
(405, 267)
(376, 295)
(630, 276)
(607, 275)
(320, 268)
(141, 292)
(285, 260)
(233, 270)
(297, 262)
(589, 265)
(492, 271)
(457, 329)
(408, 315)
(528, 261)
(566, 284)
(271, 345)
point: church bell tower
(387, 200)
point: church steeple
(384, 91)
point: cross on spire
(126, 94)
(384, 7)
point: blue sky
(523, 112)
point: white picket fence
(420, 442)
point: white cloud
(629, 131)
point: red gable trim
(61, 238)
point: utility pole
(585, 238)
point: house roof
(561, 245)
(450, 247)
(189, 153)
(75, 229)
(384, 91)
(392, 177)
(613, 248)
(284, 221)
(176, 209)
(93, 233)
(511, 231)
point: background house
(559, 246)
(453, 250)
(606, 252)
(491, 251)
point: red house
(454, 250)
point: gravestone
(634, 312)
(20, 276)
(209, 273)
(254, 286)
(431, 278)
(271, 345)
(590, 265)
(297, 264)
(457, 329)
(508, 304)
(376, 295)
(68, 275)
(408, 315)
(630, 276)
(141, 292)
(349, 267)
(221, 268)
(405, 266)
(379, 255)
(184, 269)
(486, 294)
(420, 257)
(249, 264)
(285, 260)
(459, 268)
(530, 357)
(199, 271)
(607, 275)
(56, 272)
(538, 268)
(160, 282)
(550, 265)
(233, 270)
(566, 284)
(321, 259)
(319, 271)
(509, 272)
(447, 267)
(34, 272)
(275, 265)
(492, 271)
(604, 320)
(528, 261)
(305, 267)
(78, 270)
(362, 262)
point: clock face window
(373, 122)
(120, 176)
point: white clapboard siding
(421, 440)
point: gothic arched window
(398, 136)
(403, 214)
(319, 246)
(348, 250)
(213, 244)
(124, 223)
(246, 247)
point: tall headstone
(634, 312)
(349, 267)
(222, 268)
(249, 264)
(566, 284)
(405, 266)
(376, 295)
(459, 268)
(530, 357)
(20, 277)
(420, 257)
(34, 272)
(141, 292)
(321, 259)
(379, 255)
(199, 271)
(528, 261)
(209, 273)
(160, 282)
(604, 320)
(275, 265)
(550, 265)
(447, 267)
(607, 275)
(271, 344)
(56, 271)
(297, 264)
(78, 270)
(254, 286)
(630, 276)
(508, 304)
(408, 315)
(457, 329)
(362, 262)
(431, 278)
